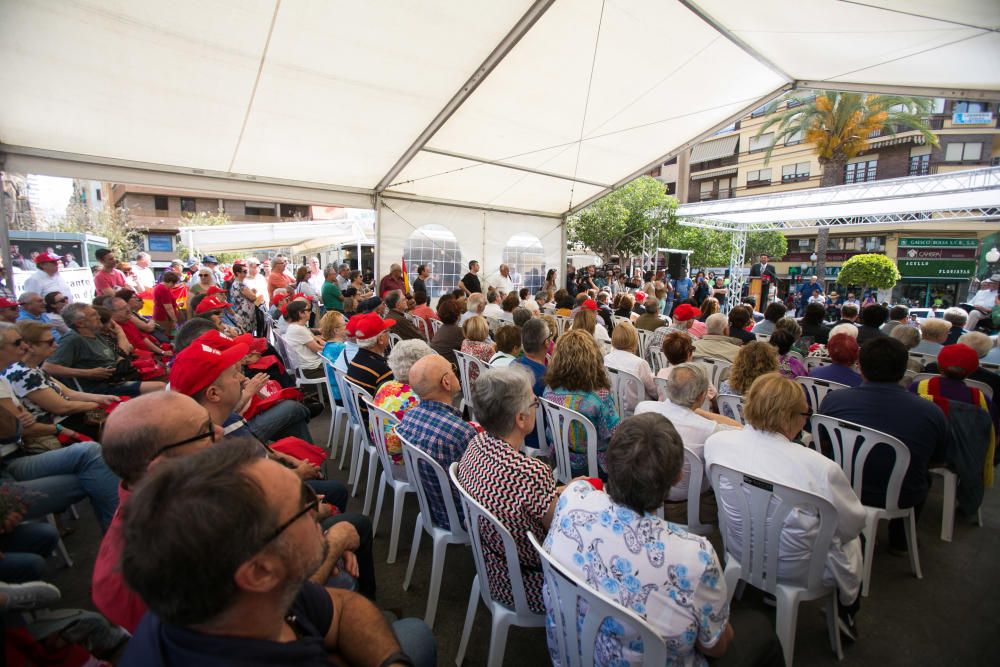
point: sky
(49, 195)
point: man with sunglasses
(220, 545)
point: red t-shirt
(135, 336)
(111, 595)
(163, 296)
(275, 281)
(114, 280)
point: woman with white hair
(396, 396)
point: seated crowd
(224, 543)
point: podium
(756, 288)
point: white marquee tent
(488, 118)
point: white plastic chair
(10, 450)
(476, 516)
(851, 444)
(300, 379)
(465, 364)
(976, 384)
(351, 422)
(396, 477)
(763, 507)
(816, 362)
(661, 387)
(627, 390)
(435, 325)
(763, 338)
(564, 324)
(394, 338)
(338, 413)
(948, 506)
(994, 368)
(816, 389)
(645, 338)
(694, 490)
(421, 325)
(575, 636)
(357, 395)
(924, 358)
(544, 449)
(494, 324)
(715, 368)
(560, 421)
(422, 467)
(657, 360)
(731, 405)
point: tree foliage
(114, 224)
(870, 270)
(712, 248)
(618, 223)
(772, 244)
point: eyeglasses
(65, 299)
(204, 275)
(311, 505)
(208, 431)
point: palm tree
(839, 126)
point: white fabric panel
(481, 234)
(276, 235)
(348, 86)
(445, 177)
(644, 99)
(147, 81)
(822, 40)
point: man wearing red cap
(369, 368)
(47, 279)
(8, 310)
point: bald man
(435, 426)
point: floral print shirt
(670, 577)
(397, 398)
(597, 406)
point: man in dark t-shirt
(470, 281)
(238, 593)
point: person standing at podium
(768, 275)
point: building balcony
(725, 193)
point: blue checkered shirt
(439, 430)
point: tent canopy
(255, 236)
(525, 107)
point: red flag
(406, 279)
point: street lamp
(813, 258)
(993, 256)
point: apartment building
(937, 263)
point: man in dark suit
(763, 268)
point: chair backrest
(563, 422)
(695, 483)
(564, 324)
(627, 390)
(657, 360)
(394, 338)
(576, 636)
(353, 396)
(763, 507)
(816, 389)
(731, 405)
(494, 324)
(279, 345)
(993, 368)
(618, 319)
(851, 444)
(661, 387)
(924, 358)
(816, 362)
(421, 325)
(466, 376)
(421, 467)
(907, 379)
(435, 325)
(716, 369)
(378, 419)
(975, 384)
(645, 338)
(476, 518)
(763, 337)
(330, 370)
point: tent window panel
(761, 143)
(437, 247)
(524, 256)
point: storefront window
(928, 294)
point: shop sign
(972, 118)
(924, 242)
(919, 268)
(938, 253)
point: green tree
(711, 248)
(870, 270)
(114, 224)
(618, 224)
(839, 125)
(772, 244)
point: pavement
(950, 617)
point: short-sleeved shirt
(104, 280)
(157, 644)
(369, 370)
(25, 380)
(163, 296)
(44, 318)
(518, 490)
(597, 406)
(297, 337)
(333, 299)
(538, 370)
(275, 281)
(668, 576)
(439, 430)
(471, 282)
(396, 398)
(76, 351)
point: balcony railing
(725, 193)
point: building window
(726, 187)
(437, 247)
(260, 208)
(792, 173)
(160, 242)
(758, 178)
(160, 203)
(97, 193)
(960, 152)
(524, 255)
(965, 106)
(920, 165)
(761, 143)
(188, 205)
(705, 190)
(794, 138)
(860, 172)
(805, 244)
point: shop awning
(715, 149)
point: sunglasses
(208, 431)
(311, 505)
(16, 342)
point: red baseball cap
(7, 303)
(43, 257)
(640, 296)
(370, 325)
(301, 295)
(685, 312)
(211, 303)
(215, 289)
(220, 341)
(958, 357)
(589, 304)
(198, 366)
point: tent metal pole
(8, 265)
(562, 249)
(376, 269)
(737, 249)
